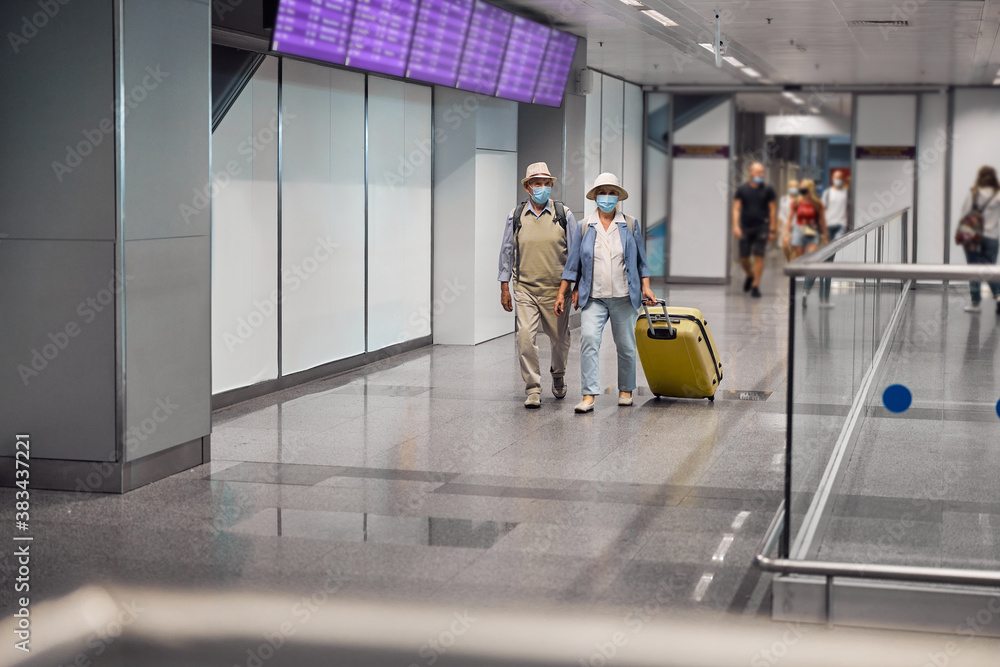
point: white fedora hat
(537, 170)
(604, 180)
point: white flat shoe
(582, 407)
(624, 401)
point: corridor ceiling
(787, 41)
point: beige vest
(541, 249)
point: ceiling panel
(953, 42)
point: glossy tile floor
(422, 478)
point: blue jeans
(592, 320)
(834, 232)
(987, 254)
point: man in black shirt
(754, 224)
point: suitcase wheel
(657, 396)
(711, 399)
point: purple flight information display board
(484, 49)
(316, 29)
(381, 34)
(523, 61)
(555, 71)
(438, 39)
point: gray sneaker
(559, 387)
(533, 402)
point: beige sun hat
(604, 180)
(537, 170)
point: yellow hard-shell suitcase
(677, 351)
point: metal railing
(778, 536)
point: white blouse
(609, 260)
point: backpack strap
(982, 208)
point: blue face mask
(838, 183)
(793, 191)
(541, 194)
(607, 203)
(758, 180)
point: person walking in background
(984, 199)
(754, 224)
(609, 267)
(835, 211)
(784, 211)
(806, 227)
(537, 239)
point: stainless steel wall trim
(119, 111)
(278, 241)
(950, 124)
(326, 371)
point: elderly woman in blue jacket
(612, 278)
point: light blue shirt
(580, 262)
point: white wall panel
(699, 229)
(711, 129)
(399, 212)
(592, 132)
(632, 150)
(493, 205)
(496, 122)
(883, 186)
(244, 230)
(976, 143)
(323, 213)
(885, 120)
(932, 144)
(455, 183)
(790, 124)
(612, 125)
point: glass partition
(894, 413)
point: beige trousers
(532, 311)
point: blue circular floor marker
(897, 398)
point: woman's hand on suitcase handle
(647, 293)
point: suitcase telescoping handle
(668, 333)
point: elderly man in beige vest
(532, 256)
